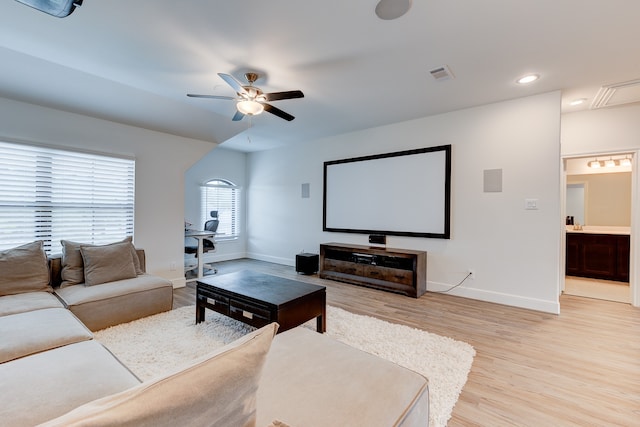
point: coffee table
(258, 299)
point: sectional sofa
(53, 373)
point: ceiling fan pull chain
(249, 123)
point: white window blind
(49, 194)
(222, 196)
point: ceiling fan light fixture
(250, 107)
(251, 100)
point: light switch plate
(531, 204)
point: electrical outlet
(472, 273)
(172, 266)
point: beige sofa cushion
(73, 265)
(46, 385)
(356, 388)
(122, 301)
(103, 264)
(217, 390)
(29, 333)
(21, 303)
(24, 269)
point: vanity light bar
(609, 163)
(595, 164)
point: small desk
(200, 235)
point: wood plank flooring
(581, 368)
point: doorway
(598, 207)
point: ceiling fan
(251, 100)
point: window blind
(50, 194)
(224, 197)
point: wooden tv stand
(396, 270)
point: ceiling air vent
(442, 73)
(617, 94)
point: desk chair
(208, 245)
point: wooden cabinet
(397, 270)
(598, 256)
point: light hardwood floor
(580, 368)
(601, 289)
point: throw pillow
(216, 390)
(107, 263)
(72, 264)
(24, 269)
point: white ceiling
(134, 61)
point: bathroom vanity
(598, 253)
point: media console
(396, 270)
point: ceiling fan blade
(193, 95)
(237, 116)
(278, 112)
(231, 81)
(291, 94)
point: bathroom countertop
(599, 229)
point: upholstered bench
(312, 380)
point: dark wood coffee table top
(262, 287)
(258, 299)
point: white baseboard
(276, 260)
(552, 307)
(179, 282)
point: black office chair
(207, 244)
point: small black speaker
(307, 263)
(379, 239)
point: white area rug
(157, 344)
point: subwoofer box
(307, 263)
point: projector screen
(406, 193)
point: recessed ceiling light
(529, 78)
(578, 102)
(392, 9)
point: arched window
(222, 197)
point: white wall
(514, 252)
(602, 130)
(161, 161)
(224, 164)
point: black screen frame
(446, 234)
